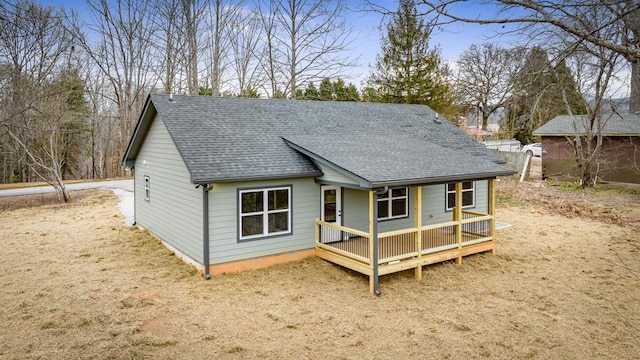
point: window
(147, 191)
(468, 195)
(393, 204)
(264, 212)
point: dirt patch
(76, 283)
(607, 203)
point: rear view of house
(234, 183)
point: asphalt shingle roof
(613, 124)
(233, 139)
(383, 159)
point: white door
(331, 212)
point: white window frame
(147, 188)
(264, 212)
(389, 201)
(472, 190)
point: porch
(374, 254)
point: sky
(452, 39)
(367, 29)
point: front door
(331, 212)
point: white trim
(472, 190)
(389, 201)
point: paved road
(126, 185)
(122, 188)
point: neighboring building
(236, 183)
(477, 133)
(619, 159)
(503, 145)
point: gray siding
(356, 208)
(434, 202)
(223, 221)
(356, 212)
(174, 212)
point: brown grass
(76, 283)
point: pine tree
(542, 91)
(311, 92)
(330, 91)
(407, 70)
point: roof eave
(255, 178)
(582, 134)
(319, 159)
(139, 133)
(440, 179)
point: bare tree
(36, 115)
(169, 41)
(223, 26)
(193, 12)
(119, 42)
(103, 121)
(597, 69)
(573, 18)
(485, 74)
(246, 57)
(269, 57)
(306, 39)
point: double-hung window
(393, 204)
(264, 212)
(468, 195)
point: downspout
(376, 283)
(205, 229)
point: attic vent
(437, 121)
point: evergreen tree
(345, 93)
(407, 70)
(330, 91)
(540, 90)
(326, 90)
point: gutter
(439, 180)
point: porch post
(373, 243)
(492, 211)
(417, 220)
(457, 216)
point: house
(236, 183)
(619, 159)
(477, 133)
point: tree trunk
(634, 100)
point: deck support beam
(457, 216)
(417, 223)
(492, 211)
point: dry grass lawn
(564, 284)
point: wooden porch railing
(409, 243)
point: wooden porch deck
(467, 233)
(404, 244)
(408, 248)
